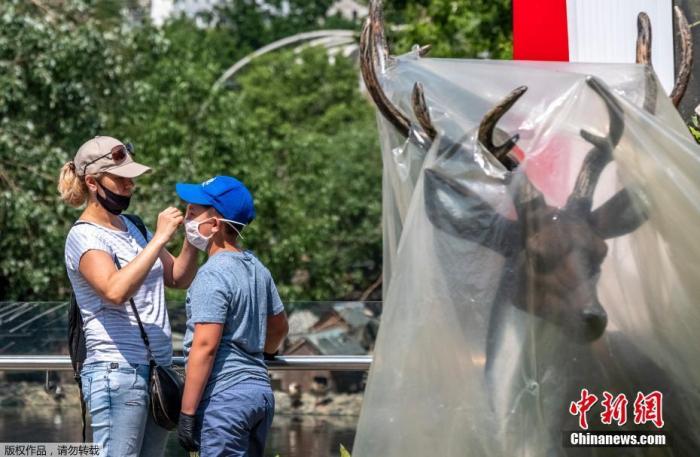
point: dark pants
(235, 421)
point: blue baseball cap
(226, 194)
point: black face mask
(114, 203)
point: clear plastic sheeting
(509, 291)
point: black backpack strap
(138, 222)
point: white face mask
(200, 241)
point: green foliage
(297, 132)
(344, 452)
(57, 76)
(293, 126)
(249, 27)
(305, 143)
(455, 28)
(694, 127)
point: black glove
(185, 432)
(268, 356)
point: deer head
(554, 255)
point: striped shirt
(111, 331)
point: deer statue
(552, 256)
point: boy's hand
(185, 432)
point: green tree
(694, 127)
(58, 71)
(455, 28)
(305, 141)
(293, 126)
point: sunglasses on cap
(118, 154)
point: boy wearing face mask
(234, 316)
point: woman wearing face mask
(115, 373)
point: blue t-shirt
(234, 289)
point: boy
(234, 315)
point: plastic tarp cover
(508, 292)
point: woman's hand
(117, 286)
(168, 221)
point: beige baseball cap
(104, 154)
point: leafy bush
(694, 127)
(295, 129)
(293, 126)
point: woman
(115, 373)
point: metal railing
(284, 362)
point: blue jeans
(235, 421)
(116, 394)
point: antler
(372, 49)
(454, 208)
(601, 153)
(420, 109)
(486, 127)
(623, 213)
(644, 38)
(372, 34)
(644, 57)
(488, 124)
(686, 57)
(526, 197)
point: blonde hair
(72, 187)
